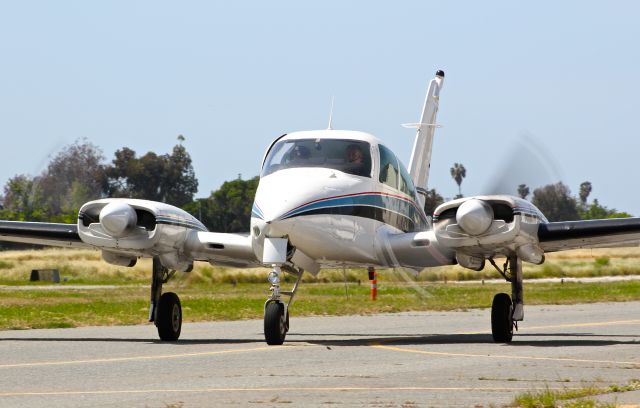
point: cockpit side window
(348, 156)
(388, 167)
(394, 174)
(406, 182)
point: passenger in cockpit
(354, 154)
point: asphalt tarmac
(406, 359)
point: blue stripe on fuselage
(386, 202)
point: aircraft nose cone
(280, 193)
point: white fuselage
(335, 214)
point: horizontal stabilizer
(419, 125)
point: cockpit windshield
(348, 156)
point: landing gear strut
(276, 312)
(507, 311)
(165, 309)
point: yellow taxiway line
(381, 345)
(503, 356)
(141, 358)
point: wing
(42, 233)
(149, 229)
(559, 236)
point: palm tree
(523, 191)
(585, 190)
(458, 172)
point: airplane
(326, 199)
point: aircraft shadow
(359, 340)
(183, 342)
(542, 340)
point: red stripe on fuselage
(356, 194)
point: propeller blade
(527, 162)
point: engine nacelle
(118, 259)
(531, 253)
(475, 263)
(125, 229)
(486, 226)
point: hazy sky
(556, 80)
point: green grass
(21, 309)
(5, 265)
(214, 293)
(571, 397)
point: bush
(602, 261)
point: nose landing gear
(276, 312)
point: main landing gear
(276, 312)
(165, 309)
(507, 311)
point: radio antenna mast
(331, 115)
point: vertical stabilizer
(421, 154)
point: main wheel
(501, 318)
(275, 323)
(169, 317)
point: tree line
(554, 200)
(80, 173)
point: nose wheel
(276, 323)
(276, 312)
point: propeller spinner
(474, 216)
(118, 218)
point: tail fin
(421, 154)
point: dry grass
(87, 266)
(577, 263)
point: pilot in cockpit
(299, 154)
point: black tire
(275, 323)
(501, 318)
(169, 317)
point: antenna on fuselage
(330, 127)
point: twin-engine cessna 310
(331, 198)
